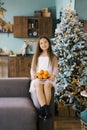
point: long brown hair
(38, 51)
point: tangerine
(43, 74)
(41, 71)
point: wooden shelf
(29, 26)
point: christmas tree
(68, 45)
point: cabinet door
(12, 70)
(3, 66)
(19, 67)
(46, 26)
(27, 66)
(20, 26)
(23, 66)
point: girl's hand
(33, 76)
(52, 77)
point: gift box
(66, 110)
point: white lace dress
(43, 64)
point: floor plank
(67, 123)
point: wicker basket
(46, 14)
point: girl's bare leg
(47, 92)
(44, 97)
(40, 94)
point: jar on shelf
(32, 25)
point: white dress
(43, 64)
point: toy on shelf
(24, 48)
(8, 27)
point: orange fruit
(40, 76)
(41, 71)
(43, 74)
(46, 72)
(48, 75)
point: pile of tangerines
(43, 74)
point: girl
(40, 90)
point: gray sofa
(17, 111)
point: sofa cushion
(17, 114)
(14, 87)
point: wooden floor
(67, 123)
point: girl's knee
(48, 85)
(37, 83)
(39, 86)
